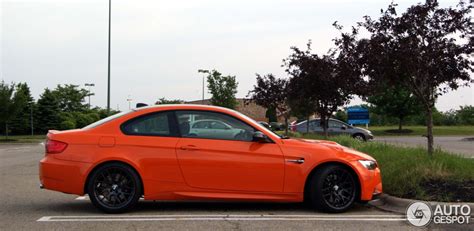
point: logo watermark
(422, 214)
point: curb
(399, 205)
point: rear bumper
(62, 175)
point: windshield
(107, 119)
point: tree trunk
(6, 131)
(400, 122)
(286, 126)
(429, 124)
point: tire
(114, 188)
(359, 136)
(333, 189)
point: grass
(467, 130)
(411, 173)
(23, 139)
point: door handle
(189, 147)
(296, 161)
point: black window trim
(216, 112)
(174, 125)
(174, 131)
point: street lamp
(129, 102)
(89, 92)
(203, 77)
(108, 64)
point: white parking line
(86, 197)
(259, 217)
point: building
(248, 108)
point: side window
(219, 126)
(201, 125)
(156, 124)
(334, 124)
(314, 123)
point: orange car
(195, 152)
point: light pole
(89, 92)
(108, 64)
(203, 77)
(31, 120)
(129, 102)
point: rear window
(107, 119)
(155, 124)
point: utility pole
(108, 63)
(89, 94)
(203, 77)
(31, 120)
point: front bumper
(370, 182)
(62, 175)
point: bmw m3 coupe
(157, 153)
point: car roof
(319, 119)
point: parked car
(265, 124)
(276, 126)
(213, 129)
(152, 152)
(335, 127)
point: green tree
(341, 115)
(71, 98)
(271, 114)
(271, 92)
(11, 102)
(223, 89)
(465, 115)
(396, 101)
(324, 82)
(21, 123)
(48, 112)
(428, 49)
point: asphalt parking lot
(26, 207)
(456, 144)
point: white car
(213, 128)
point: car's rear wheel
(333, 189)
(114, 188)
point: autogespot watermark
(422, 214)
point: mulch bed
(455, 190)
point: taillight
(55, 147)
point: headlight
(368, 164)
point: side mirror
(344, 127)
(258, 136)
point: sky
(158, 46)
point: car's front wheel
(359, 136)
(114, 188)
(333, 189)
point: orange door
(226, 158)
(231, 165)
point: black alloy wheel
(114, 188)
(333, 189)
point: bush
(67, 124)
(465, 115)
